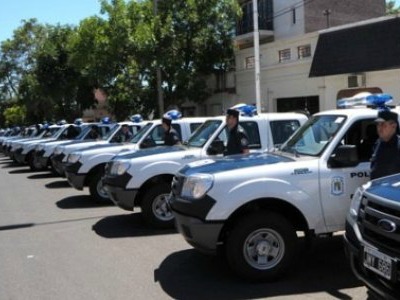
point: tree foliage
(391, 8)
(52, 71)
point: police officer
(126, 134)
(171, 137)
(385, 159)
(238, 143)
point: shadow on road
(43, 176)
(58, 184)
(129, 225)
(322, 268)
(80, 201)
(22, 171)
(11, 164)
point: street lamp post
(256, 55)
(159, 79)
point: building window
(293, 16)
(284, 55)
(304, 51)
(250, 62)
(265, 16)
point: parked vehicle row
(299, 178)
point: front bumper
(75, 179)
(56, 163)
(354, 251)
(18, 156)
(190, 222)
(199, 234)
(116, 190)
(40, 161)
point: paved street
(56, 244)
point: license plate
(378, 262)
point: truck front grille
(374, 216)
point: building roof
(368, 47)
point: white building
(311, 54)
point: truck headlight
(119, 167)
(197, 185)
(356, 201)
(57, 151)
(74, 157)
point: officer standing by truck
(238, 142)
(171, 137)
(385, 159)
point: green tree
(391, 8)
(193, 39)
(15, 115)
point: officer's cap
(232, 112)
(167, 121)
(386, 115)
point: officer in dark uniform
(126, 134)
(171, 137)
(238, 143)
(385, 159)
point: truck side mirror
(344, 156)
(216, 147)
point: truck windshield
(138, 136)
(203, 133)
(314, 136)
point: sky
(52, 12)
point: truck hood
(102, 146)
(233, 162)
(108, 148)
(150, 151)
(386, 187)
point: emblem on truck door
(337, 185)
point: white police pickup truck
(144, 178)
(110, 134)
(250, 207)
(22, 151)
(86, 167)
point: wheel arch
(95, 169)
(279, 206)
(161, 178)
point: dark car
(372, 236)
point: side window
(253, 134)
(178, 129)
(363, 135)
(281, 130)
(157, 135)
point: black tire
(30, 160)
(155, 210)
(261, 246)
(96, 189)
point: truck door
(339, 183)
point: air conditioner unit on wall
(356, 80)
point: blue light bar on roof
(245, 109)
(136, 118)
(106, 120)
(379, 100)
(173, 114)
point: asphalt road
(56, 244)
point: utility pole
(256, 34)
(326, 13)
(159, 79)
